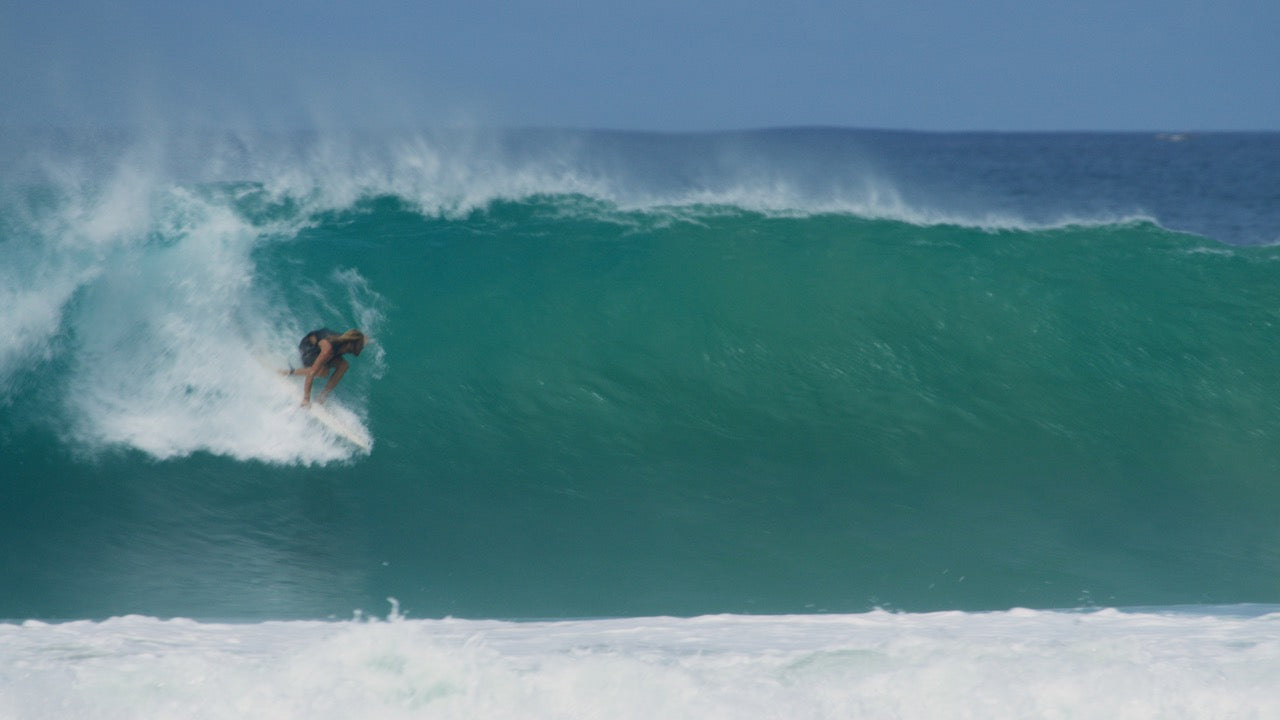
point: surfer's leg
(339, 366)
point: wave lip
(1218, 185)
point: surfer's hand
(306, 403)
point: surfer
(323, 350)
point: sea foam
(145, 293)
(1015, 664)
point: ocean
(789, 423)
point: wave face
(622, 374)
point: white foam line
(1013, 664)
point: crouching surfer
(322, 350)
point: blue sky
(649, 64)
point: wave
(158, 305)
(629, 374)
(584, 407)
(149, 281)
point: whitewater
(948, 665)
(789, 423)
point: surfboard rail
(347, 429)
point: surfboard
(335, 417)
(343, 423)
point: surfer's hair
(352, 335)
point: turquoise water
(626, 375)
